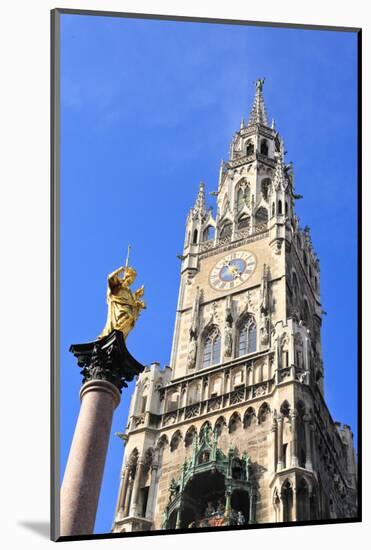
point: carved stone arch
(264, 412)
(175, 440)
(285, 409)
(249, 417)
(191, 433)
(234, 422)
(162, 442)
(261, 215)
(219, 425)
(225, 227)
(287, 499)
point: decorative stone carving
(107, 359)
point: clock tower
(236, 430)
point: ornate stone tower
(236, 429)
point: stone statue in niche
(192, 353)
(228, 339)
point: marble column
(84, 471)
(106, 366)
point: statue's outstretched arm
(113, 277)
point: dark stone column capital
(107, 359)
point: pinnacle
(258, 113)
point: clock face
(232, 270)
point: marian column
(106, 367)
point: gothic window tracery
(243, 222)
(247, 336)
(175, 441)
(219, 425)
(226, 230)
(261, 216)
(212, 346)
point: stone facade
(246, 366)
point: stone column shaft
(308, 458)
(279, 442)
(128, 497)
(84, 471)
(138, 475)
(294, 442)
(151, 492)
(123, 491)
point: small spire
(273, 125)
(200, 204)
(258, 113)
(242, 125)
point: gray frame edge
(55, 274)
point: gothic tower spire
(258, 113)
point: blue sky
(148, 110)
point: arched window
(219, 425)
(249, 148)
(286, 207)
(273, 209)
(243, 222)
(264, 147)
(190, 435)
(279, 211)
(265, 188)
(226, 230)
(234, 422)
(249, 417)
(175, 440)
(247, 336)
(261, 216)
(208, 233)
(211, 352)
(287, 501)
(195, 236)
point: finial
(242, 125)
(273, 124)
(259, 84)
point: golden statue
(124, 306)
